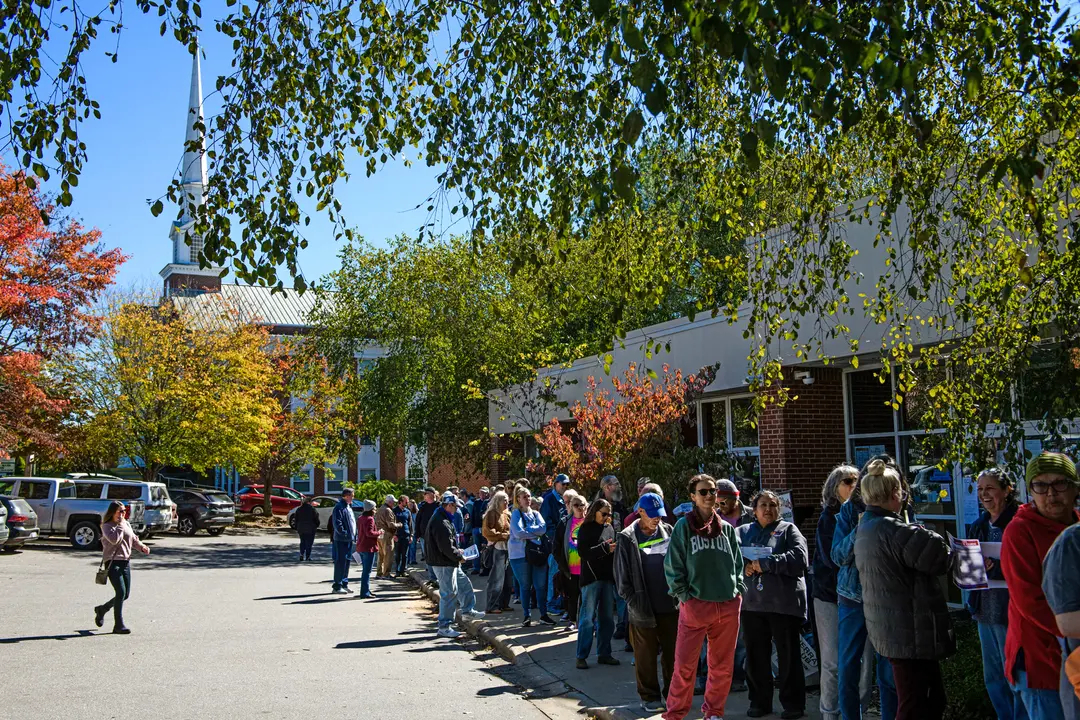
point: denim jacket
(843, 546)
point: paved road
(233, 627)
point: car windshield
(291, 494)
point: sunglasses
(1041, 488)
(605, 514)
(704, 492)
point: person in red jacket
(1032, 653)
(367, 543)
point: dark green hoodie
(703, 567)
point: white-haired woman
(834, 493)
(907, 618)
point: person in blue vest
(344, 524)
(553, 510)
(403, 518)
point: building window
(714, 423)
(335, 477)
(744, 432)
(729, 422)
(367, 475)
(304, 481)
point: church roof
(287, 310)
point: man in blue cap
(640, 550)
(553, 510)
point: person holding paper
(1032, 652)
(596, 545)
(990, 608)
(446, 557)
(774, 607)
(366, 544)
(704, 571)
(640, 550)
(907, 617)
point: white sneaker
(447, 633)
(714, 717)
(474, 614)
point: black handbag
(487, 557)
(536, 553)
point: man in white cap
(445, 556)
(386, 521)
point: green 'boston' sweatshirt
(709, 569)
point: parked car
(282, 499)
(159, 514)
(22, 522)
(75, 508)
(202, 509)
(324, 505)
(4, 532)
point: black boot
(99, 615)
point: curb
(481, 629)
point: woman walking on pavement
(117, 539)
(596, 545)
(704, 569)
(307, 522)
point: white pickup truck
(73, 508)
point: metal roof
(250, 303)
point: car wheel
(85, 535)
(145, 535)
(186, 525)
(214, 532)
(258, 510)
(292, 521)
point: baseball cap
(561, 478)
(449, 497)
(652, 504)
(431, 490)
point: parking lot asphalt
(233, 627)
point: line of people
(713, 594)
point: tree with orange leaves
(50, 277)
(612, 431)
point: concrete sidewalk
(546, 656)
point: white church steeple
(183, 273)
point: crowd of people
(704, 593)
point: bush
(375, 490)
(963, 674)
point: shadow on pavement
(76, 634)
(217, 556)
(498, 690)
(371, 644)
(291, 597)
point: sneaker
(121, 630)
(336, 591)
(655, 706)
(447, 633)
(99, 616)
(366, 596)
(546, 620)
(474, 614)
(607, 660)
(714, 717)
(582, 664)
(345, 589)
(527, 623)
(572, 627)
(792, 714)
(620, 634)
(517, 601)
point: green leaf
(632, 126)
(600, 8)
(656, 99)
(625, 179)
(156, 208)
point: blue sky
(136, 148)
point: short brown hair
(701, 477)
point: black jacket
(440, 541)
(423, 514)
(597, 558)
(558, 547)
(307, 519)
(824, 568)
(900, 566)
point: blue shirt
(524, 527)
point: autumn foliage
(612, 430)
(50, 277)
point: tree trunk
(268, 483)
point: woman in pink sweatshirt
(117, 540)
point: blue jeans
(853, 640)
(552, 568)
(529, 578)
(1006, 701)
(411, 559)
(622, 615)
(1040, 704)
(455, 592)
(366, 561)
(597, 614)
(342, 559)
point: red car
(282, 499)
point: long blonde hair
(495, 514)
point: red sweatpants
(698, 619)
